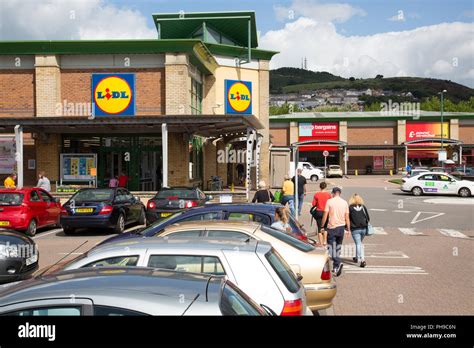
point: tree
(351, 78)
(378, 77)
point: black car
(18, 256)
(170, 200)
(111, 208)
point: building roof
(233, 24)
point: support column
(342, 137)
(454, 129)
(47, 85)
(19, 154)
(177, 84)
(294, 132)
(264, 117)
(164, 145)
(401, 138)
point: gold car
(312, 263)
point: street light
(442, 106)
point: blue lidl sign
(113, 94)
(238, 97)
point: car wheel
(314, 178)
(120, 226)
(32, 226)
(68, 231)
(465, 192)
(142, 219)
(417, 191)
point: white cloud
(440, 51)
(71, 19)
(336, 12)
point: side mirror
(299, 277)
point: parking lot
(418, 262)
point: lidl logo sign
(238, 96)
(113, 94)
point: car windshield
(11, 198)
(296, 243)
(334, 167)
(158, 226)
(177, 194)
(98, 195)
(235, 302)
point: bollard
(391, 172)
(356, 172)
(232, 187)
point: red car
(28, 209)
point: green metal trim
(235, 51)
(285, 119)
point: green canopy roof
(234, 25)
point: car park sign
(113, 94)
(238, 97)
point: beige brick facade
(48, 85)
(177, 84)
(264, 99)
(48, 148)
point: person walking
(337, 211)
(301, 189)
(281, 220)
(317, 211)
(10, 181)
(359, 218)
(43, 182)
(123, 180)
(288, 194)
(263, 195)
(114, 182)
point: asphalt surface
(420, 261)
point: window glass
(240, 217)
(200, 217)
(212, 265)
(235, 302)
(115, 312)
(34, 197)
(126, 260)
(176, 194)
(181, 263)
(184, 234)
(95, 195)
(228, 234)
(7, 198)
(45, 197)
(428, 177)
(443, 178)
(296, 243)
(283, 270)
(45, 311)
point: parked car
(439, 170)
(415, 172)
(334, 170)
(112, 208)
(462, 171)
(437, 183)
(254, 266)
(125, 291)
(309, 171)
(170, 200)
(18, 256)
(28, 209)
(262, 213)
(312, 263)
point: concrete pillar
(47, 84)
(221, 167)
(210, 162)
(177, 84)
(294, 133)
(48, 148)
(454, 128)
(264, 117)
(178, 159)
(342, 137)
(401, 132)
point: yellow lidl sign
(113, 94)
(238, 97)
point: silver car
(254, 266)
(124, 291)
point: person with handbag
(317, 211)
(263, 195)
(360, 221)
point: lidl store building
(158, 110)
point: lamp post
(442, 107)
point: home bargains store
(157, 110)
(374, 141)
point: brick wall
(466, 134)
(178, 160)
(149, 88)
(371, 136)
(47, 155)
(279, 136)
(17, 91)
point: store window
(195, 158)
(196, 97)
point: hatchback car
(312, 263)
(171, 200)
(334, 170)
(125, 291)
(111, 208)
(28, 209)
(254, 266)
(18, 256)
(437, 183)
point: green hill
(287, 80)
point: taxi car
(437, 183)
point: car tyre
(464, 192)
(417, 191)
(68, 231)
(142, 219)
(120, 225)
(314, 178)
(32, 227)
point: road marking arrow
(452, 233)
(410, 231)
(417, 216)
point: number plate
(4, 223)
(32, 259)
(84, 210)
(165, 214)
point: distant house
(335, 100)
(350, 100)
(368, 92)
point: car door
(446, 185)
(428, 183)
(135, 207)
(38, 208)
(123, 204)
(52, 210)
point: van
(310, 172)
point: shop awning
(203, 125)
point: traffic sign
(325, 153)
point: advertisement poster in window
(388, 162)
(378, 162)
(7, 155)
(78, 167)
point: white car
(334, 170)
(437, 183)
(309, 171)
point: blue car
(263, 213)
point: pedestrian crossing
(411, 231)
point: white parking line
(452, 233)
(389, 255)
(410, 231)
(373, 209)
(384, 270)
(433, 215)
(379, 230)
(402, 211)
(56, 230)
(70, 253)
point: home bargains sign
(113, 94)
(426, 130)
(319, 131)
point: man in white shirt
(43, 182)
